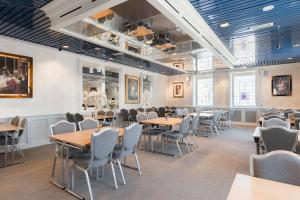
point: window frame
(210, 76)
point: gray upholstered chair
(102, 145)
(279, 138)
(152, 115)
(179, 135)
(59, 128)
(274, 116)
(88, 124)
(275, 122)
(15, 121)
(281, 166)
(195, 128)
(128, 146)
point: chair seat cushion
(119, 152)
(172, 135)
(83, 161)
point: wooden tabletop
(251, 188)
(8, 128)
(80, 138)
(163, 121)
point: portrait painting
(15, 76)
(132, 89)
(178, 90)
(282, 85)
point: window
(243, 89)
(204, 91)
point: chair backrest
(149, 110)
(110, 113)
(274, 116)
(132, 136)
(279, 138)
(102, 144)
(297, 114)
(185, 111)
(161, 112)
(22, 126)
(185, 125)
(173, 108)
(297, 123)
(62, 127)
(154, 109)
(88, 124)
(124, 114)
(287, 112)
(15, 121)
(133, 113)
(78, 117)
(194, 123)
(282, 166)
(101, 112)
(275, 122)
(141, 109)
(152, 115)
(70, 117)
(179, 112)
(141, 117)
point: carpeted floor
(207, 173)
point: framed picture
(282, 85)
(15, 76)
(132, 89)
(133, 48)
(179, 65)
(178, 90)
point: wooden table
(251, 188)
(162, 121)
(8, 129)
(79, 139)
(256, 137)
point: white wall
(57, 81)
(222, 88)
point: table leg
(256, 140)
(5, 149)
(13, 149)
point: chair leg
(88, 183)
(187, 145)
(53, 167)
(121, 171)
(137, 164)
(179, 148)
(114, 175)
(195, 140)
(72, 177)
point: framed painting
(282, 85)
(132, 89)
(178, 90)
(16, 79)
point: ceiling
(24, 20)
(278, 44)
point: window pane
(243, 90)
(204, 91)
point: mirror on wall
(94, 97)
(146, 98)
(112, 88)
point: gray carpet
(207, 173)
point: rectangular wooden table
(6, 129)
(256, 137)
(247, 187)
(162, 121)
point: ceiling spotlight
(268, 8)
(224, 25)
(173, 54)
(65, 46)
(110, 58)
(140, 66)
(296, 45)
(97, 48)
(290, 58)
(182, 58)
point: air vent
(70, 12)
(261, 26)
(172, 6)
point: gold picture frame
(16, 76)
(178, 90)
(132, 89)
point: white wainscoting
(37, 129)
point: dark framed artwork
(179, 65)
(178, 90)
(282, 85)
(132, 89)
(16, 76)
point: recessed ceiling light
(66, 46)
(173, 54)
(140, 66)
(110, 58)
(182, 58)
(224, 25)
(97, 48)
(268, 8)
(296, 45)
(290, 58)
